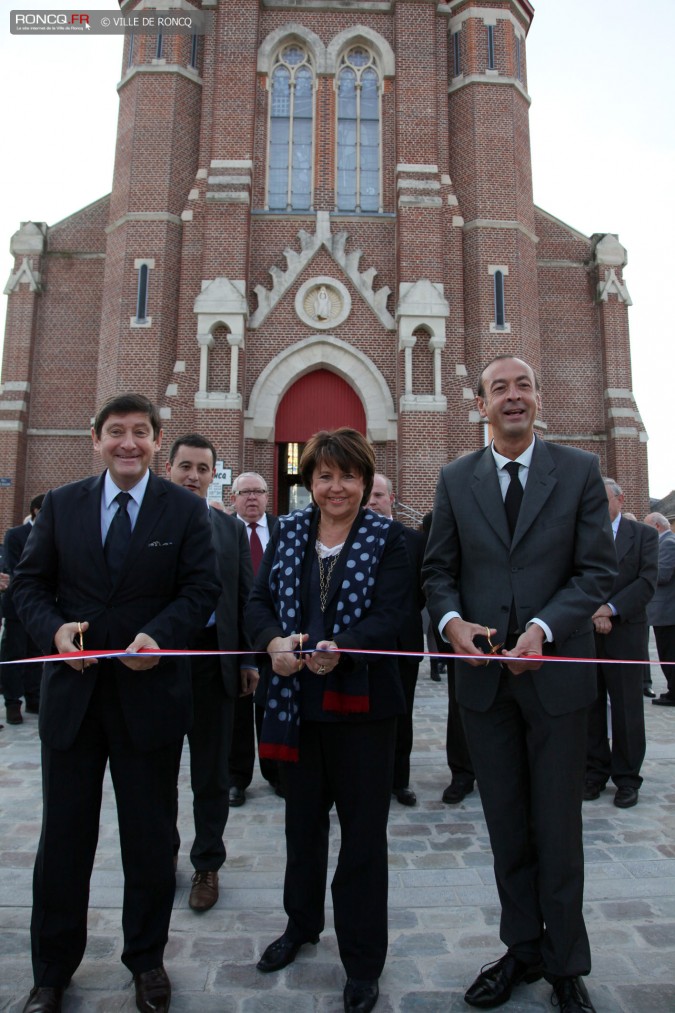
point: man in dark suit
(125, 560)
(410, 638)
(216, 681)
(621, 632)
(661, 610)
(18, 680)
(250, 497)
(520, 556)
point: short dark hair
(192, 440)
(36, 504)
(125, 404)
(480, 389)
(344, 447)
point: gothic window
(358, 131)
(289, 180)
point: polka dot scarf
(346, 691)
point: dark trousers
(530, 771)
(623, 685)
(145, 790)
(247, 724)
(209, 739)
(348, 764)
(19, 680)
(456, 748)
(408, 669)
(665, 645)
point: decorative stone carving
(323, 303)
(297, 262)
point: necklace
(326, 573)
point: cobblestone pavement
(444, 911)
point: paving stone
(444, 909)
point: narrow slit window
(130, 54)
(457, 52)
(159, 48)
(142, 294)
(194, 51)
(491, 47)
(519, 59)
(500, 312)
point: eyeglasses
(251, 492)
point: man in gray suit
(661, 610)
(216, 681)
(520, 556)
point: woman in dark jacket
(333, 577)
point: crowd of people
(301, 636)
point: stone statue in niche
(322, 304)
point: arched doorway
(318, 400)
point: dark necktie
(256, 547)
(118, 537)
(514, 495)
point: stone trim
(79, 433)
(160, 68)
(13, 406)
(22, 385)
(495, 223)
(144, 216)
(462, 80)
(11, 427)
(26, 274)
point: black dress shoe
(14, 715)
(571, 996)
(592, 790)
(665, 700)
(281, 953)
(405, 796)
(648, 691)
(626, 796)
(456, 792)
(153, 991)
(237, 796)
(360, 996)
(494, 984)
(44, 1000)
(32, 706)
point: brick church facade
(321, 214)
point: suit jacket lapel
(152, 508)
(90, 521)
(625, 537)
(485, 488)
(541, 482)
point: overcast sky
(603, 149)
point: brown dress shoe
(153, 991)
(44, 1000)
(204, 892)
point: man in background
(249, 498)
(661, 609)
(621, 632)
(411, 638)
(217, 682)
(18, 680)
